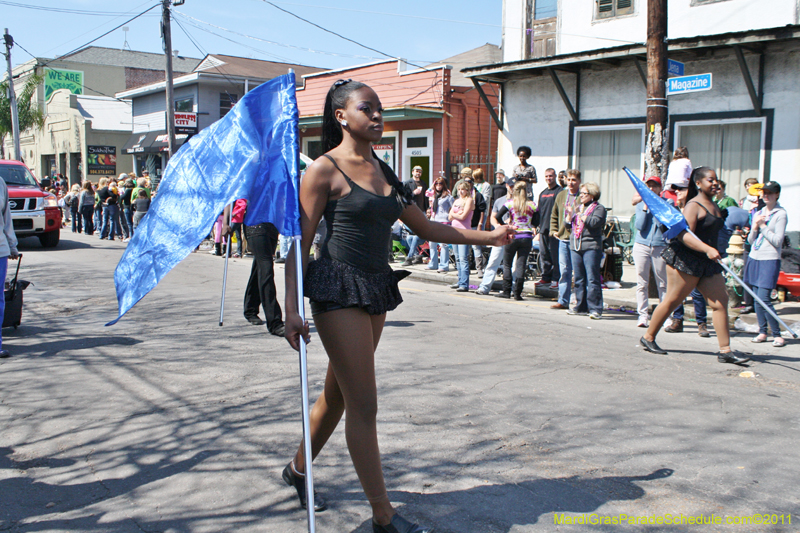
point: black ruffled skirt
(681, 258)
(331, 284)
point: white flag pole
(301, 310)
(298, 260)
(757, 299)
(225, 271)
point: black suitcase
(13, 297)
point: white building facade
(576, 94)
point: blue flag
(668, 215)
(251, 153)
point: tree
(30, 115)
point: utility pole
(167, 35)
(12, 97)
(657, 146)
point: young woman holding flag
(691, 260)
(352, 286)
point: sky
(417, 30)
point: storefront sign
(55, 79)
(161, 143)
(689, 84)
(185, 122)
(385, 152)
(102, 160)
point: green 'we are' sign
(55, 79)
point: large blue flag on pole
(251, 153)
(667, 214)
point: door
(417, 150)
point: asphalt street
(495, 416)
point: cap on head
(654, 179)
(500, 171)
(772, 187)
(510, 182)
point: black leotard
(359, 226)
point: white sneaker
(554, 285)
(126, 239)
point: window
(226, 102)
(731, 148)
(613, 8)
(602, 152)
(185, 105)
(545, 9)
(416, 142)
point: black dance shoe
(732, 357)
(651, 346)
(298, 481)
(400, 525)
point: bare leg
(350, 337)
(716, 295)
(679, 286)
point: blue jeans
(700, 313)
(490, 272)
(462, 264)
(440, 260)
(128, 214)
(413, 242)
(588, 293)
(565, 270)
(110, 222)
(763, 317)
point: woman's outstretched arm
(436, 232)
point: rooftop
(99, 55)
(488, 54)
(250, 68)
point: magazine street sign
(689, 84)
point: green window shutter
(605, 8)
(624, 7)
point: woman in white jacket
(764, 262)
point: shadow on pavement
(34, 498)
(500, 508)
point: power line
(199, 49)
(66, 11)
(393, 14)
(301, 48)
(282, 59)
(98, 38)
(133, 10)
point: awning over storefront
(389, 115)
(151, 142)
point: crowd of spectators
(567, 226)
(111, 206)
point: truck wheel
(50, 239)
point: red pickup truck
(34, 211)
